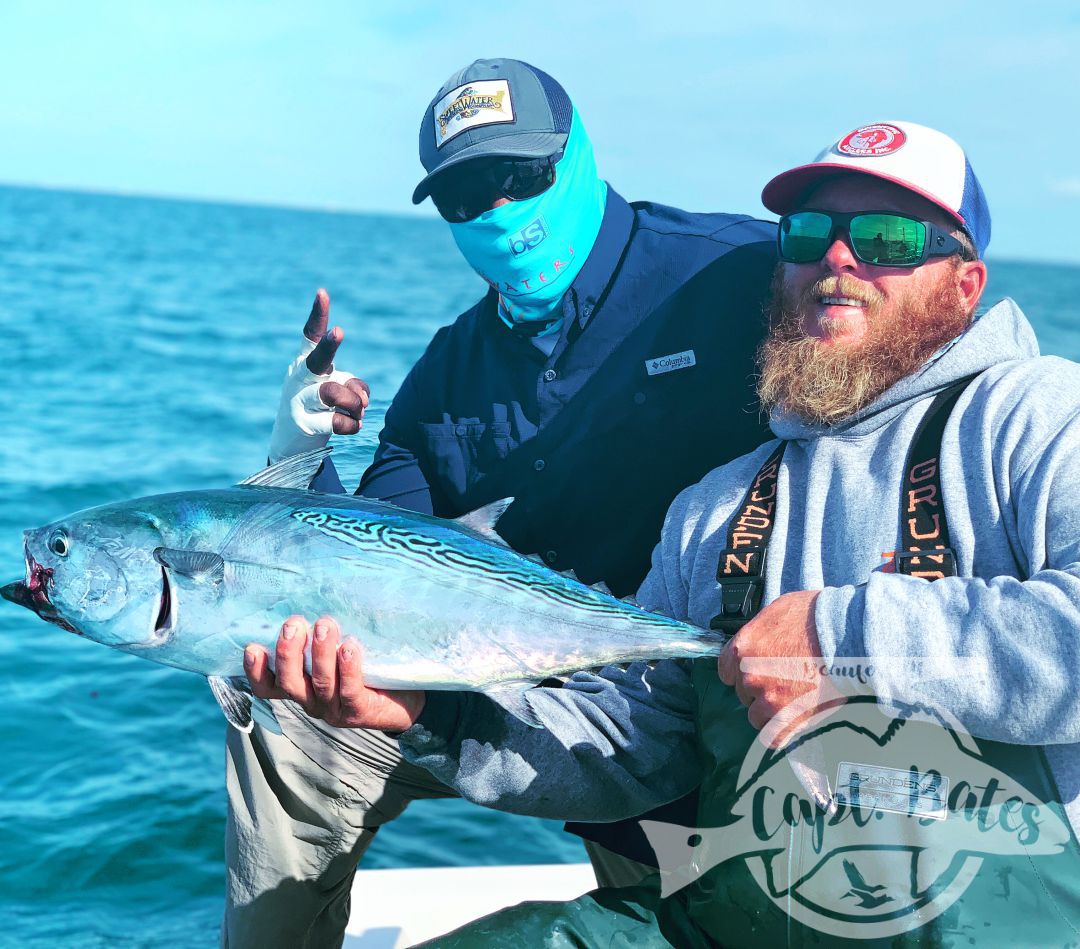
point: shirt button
(639, 398)
(461, 429)
(539, 464)
(551, 556)
(586, 311)
(549, 375)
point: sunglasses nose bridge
(839, 252)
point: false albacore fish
(188, 579)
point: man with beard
(570, 386)
(919, 501)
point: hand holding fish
(779, 647)
(335, 690)
(316, 400)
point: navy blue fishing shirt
(649, 387)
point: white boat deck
(392, 909)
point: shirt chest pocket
(460, 453)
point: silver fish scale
(380, 536)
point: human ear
(971, 281)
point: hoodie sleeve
(1002, 653)
(613, 745)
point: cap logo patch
(485, 102)
(872, 140)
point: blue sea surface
(145, 341)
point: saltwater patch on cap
(483, 102)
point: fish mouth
(34, 594)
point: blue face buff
(531, 250)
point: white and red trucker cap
(915, 157)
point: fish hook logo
(914, 812)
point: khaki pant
(303, 808)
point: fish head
(94, 574)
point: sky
(318, 104)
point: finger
(361, 388)
(760, 713)
(289, 660)
(345, 425)
(257, 667)
(315, 327)
(352, 693)
(728, 664)
(324, 646)
(343, 398)
(744, 692)
(321, 360)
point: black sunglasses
(882, 238)
(467, 191)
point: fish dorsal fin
(482, 521)
(293, 472)
(203, 566)
(241, 708)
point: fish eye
(59, 544)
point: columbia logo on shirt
(661, 364)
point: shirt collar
(596, 274)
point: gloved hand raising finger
(316, 400)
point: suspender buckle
(740, 600)
(932, 564)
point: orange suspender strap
(741, 568)
(924, 549)
(924, 535)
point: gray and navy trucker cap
(492, 108)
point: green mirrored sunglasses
(881, 238)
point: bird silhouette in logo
(861, 891)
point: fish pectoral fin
(234, 702)
(199, 565)
(262, 712)
(515, 697)
(296, 471)
(242, 709)
(482, 521)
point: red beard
(826, 384)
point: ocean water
(145, 342)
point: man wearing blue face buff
(609, 365)
(503, 244)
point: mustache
(843, 285)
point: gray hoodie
(623, 742)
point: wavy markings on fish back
(485, 565)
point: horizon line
(212, 200)
(341, 210)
